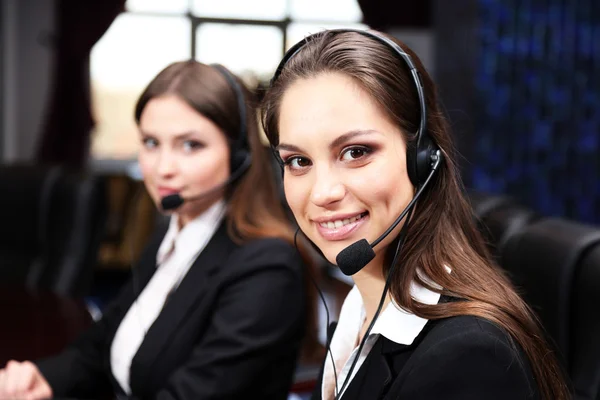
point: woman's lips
(162, 191)
(342, 232)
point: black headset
(240, 148)
(421, 155)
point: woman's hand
(24, 381)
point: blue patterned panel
(538, 105)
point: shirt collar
(394, 323)
(401, 326)
(186, 240)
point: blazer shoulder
(266, 253)
(464, 358)
(467, 325)
(469, 330)
(477, 343)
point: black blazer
(232, 329)
(458, 358)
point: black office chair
(483, 203)
(503, 222)
(52, 221)
(82, 202)
(545, 260)
(498, 218)
(585, 322)
(27, 193)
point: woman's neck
(370, 283)
(190, 214)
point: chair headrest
(543, 260)
(27, 190)
(585, 346)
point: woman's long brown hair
(442, 231)
(255, 208)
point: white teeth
(340, 222)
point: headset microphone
(354, 257)
(174, 201)
(171, 202)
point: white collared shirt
(393, 323)
(176, 254)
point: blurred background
(519, 79)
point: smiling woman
(355, 120)
(339, 154)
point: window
(245, 49)
(249, 37)
(134, 50)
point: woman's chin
(331, 259)
(329, 249)
(331, 254)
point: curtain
(65, 135)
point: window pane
(298, 31)
(242, 9)
(245, 49)
(329, 10)
(122, 63)
(164, 6)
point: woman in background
(217, 308)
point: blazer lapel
(144, 269)
(375, 375)
(177, 308)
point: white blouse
(176, 254)
(393, 323)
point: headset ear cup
(418, 161)
(238, 158)
(411, 164)
(240, 149)
(424, 159)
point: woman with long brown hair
(365, 148)
(217, 307)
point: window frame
(104, 162)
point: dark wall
(1, 81)
(527, 72)
(455, 33)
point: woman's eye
(149, 143)
(354, 153)
(191, 145)
(297, 162)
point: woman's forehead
(328, 106)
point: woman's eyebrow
(346, 137)
(337, 142)
(288, 147)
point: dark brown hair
(442, 231)
(255, 209)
